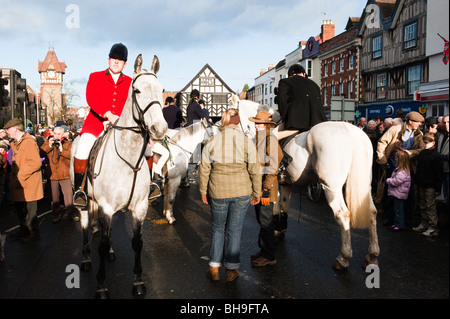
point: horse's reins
(141, 129)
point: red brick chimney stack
(327, 30)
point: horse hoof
(111, 257)
(369, 261)
(139, 289)
(86, 266)
(337, 266)
(171, 220)
(102, 293)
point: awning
(389, 108)
(432, 91)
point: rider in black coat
(299, 101)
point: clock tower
(51, 73)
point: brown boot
(79, 197)
(232, 274)
(213, 273)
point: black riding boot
(79, 198)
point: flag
(445, 58)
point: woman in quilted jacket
(398, 189)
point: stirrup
(156, 192)
(78, 199)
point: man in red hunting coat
(106, 94)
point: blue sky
(237, 38)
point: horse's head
(248, 109)
(148, 98)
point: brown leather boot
(232, 274)
(79, 197)
(213, 273)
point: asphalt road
(175, 259)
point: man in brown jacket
(407, 137)
(26, 180)
(58, 150)
(270, 156)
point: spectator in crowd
(26, 180)
(443, 150)
(407, 137)
(388, 122)
(399, 185)
(441, 124)
(270, 155)
(429, 182)
(58, 151)
(396, 121)
(229, 181)
(362, 124)
(431, 125)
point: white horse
(120, 174)
(338, 155)
(182, 146)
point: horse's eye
(136, 91)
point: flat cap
(415, 116)
(12, 123)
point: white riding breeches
(85, 144)
(161, 150)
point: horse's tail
(358, 194)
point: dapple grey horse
(182, 146)
(120, 174)
(338, 155)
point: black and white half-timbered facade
(213, 90)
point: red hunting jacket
(103, 95)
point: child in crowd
(428, 181)
(398, 189)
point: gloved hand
(265, 197)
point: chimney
(262, 71)
(327, 30)
(270, 67)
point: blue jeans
(399, 213)
(227, 219)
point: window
(350, 88)
(350, 61)
(333, 67)
(333, 90)
(437, 110)
(325, 95)
(307, 65)
(342, 66)
(413, 78)
(377, 47)
(410, 36)
(381, 86)
(326, 70)
(341, 89)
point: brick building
(339, 65)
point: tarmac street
(175, 259)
